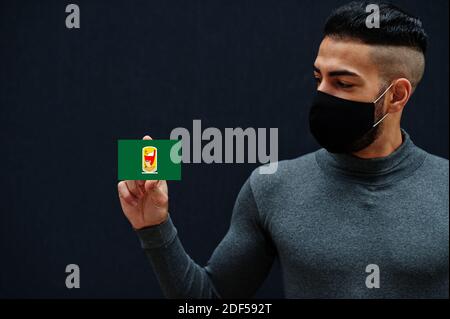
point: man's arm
(236, 269)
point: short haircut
(401, 41)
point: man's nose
(324, 87)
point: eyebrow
(337, 72)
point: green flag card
(149, 159)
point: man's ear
(400, 93)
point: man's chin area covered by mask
(372, 135)
(368, 139)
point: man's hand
(144, 203)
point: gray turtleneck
(328, 218)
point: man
(368, 200)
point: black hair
(397, 27)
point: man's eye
(318, 80)
(344, 85)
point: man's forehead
(344, 54)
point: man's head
(359, 63)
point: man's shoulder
(436, 165)
(437, 160)
(301, 168)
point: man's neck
(383, 146)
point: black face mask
(338, 124)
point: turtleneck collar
(377, 171)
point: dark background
(146, 67)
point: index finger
(141, 183)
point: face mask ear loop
(383, 93)
(381, 120)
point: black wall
(146, 67)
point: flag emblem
(149, 160)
